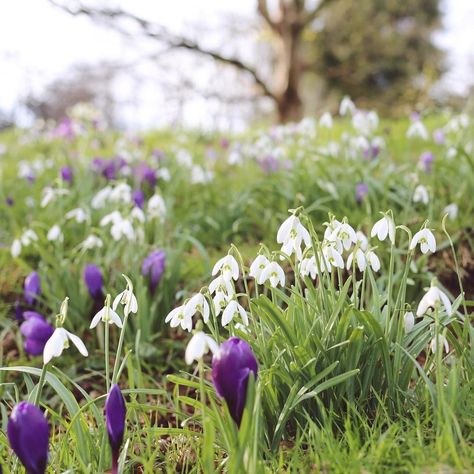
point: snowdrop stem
(362, 292)
(40, 384)
(389, 289)
(106, 351)
(354, 281)
(403, 285)
(119, 349)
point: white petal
(243, 314)
(115, 318)
(54, 345)
(228, 313)
(78, 343)
(446, 302)
(195, 348)
(218, 265)
(97, 318)
(117, 300)
(285, 228)
(133, 304)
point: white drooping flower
(426, 239)
(451, 210)
(373, 260)
(177, 317)
(359, 258)
(92, 241)
(50, 194)
(59, 341)
(78, 214)
(106, 314)
(156, 207)
(228, 267)
(100, 199)
(408, 321)
(222, 284)
(111, 218)
(55, 234)
(331, 257)
(384, 227)
(257, 267)
(121, 193)
(441, 342)
(346, 106)
(234, 309)
(123, 228)
(16, 248)
(197, 304)
(421, 194)
(200, 176)
(433, 296)
(345, 233)
(126, 298)
(362, 240)
(308, 267)
(291, 235)
(199, 345)
(330, 228)
(326, 120)
(220, 301)
(417, 129)
(274, 273)
(25, 240)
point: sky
(38, 42)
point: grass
(342, 386)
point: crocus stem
(115, 456)
(107, 361)
(119, 349)
(40, 384)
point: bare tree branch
(160, 33)
(312, 14)
(262, 8)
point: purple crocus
(65, 129)
(438, 136)
(269, 164)
(115, 412)
(154, 266)
(19, 310)
(28, 435)
(231, 367)
(426, 161)
(361, 191)
(138, 197)
(36, 331)
(9, 201)
(93, 280)
(32, 288)
(67, 174)
(145, 174)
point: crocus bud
(28, 434)
(67, 174)
(154, 266)
(32, 287)
(361, 191)
(231, 367)
(36, 331)
(93, 280)
(115, 412)
(138, 198)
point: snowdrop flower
(78, 214)
(442, 341)
(359, 258)
(220, 301)
(156, 207)
(426, 239)
(228, 267)
(200, 176)
(106, 314)
(451, 210)
(409, 321)
(122, 192)
(55, 234)
(361, 240)
(274, 273)
(346, 106)
(126, 298)
(291, 235)
(122, 228)
(92, 241)
(365, 122)
(164, 174)
(177, 317)
(326, 120)
(233, 310)
(331, 257)
(59, 341)
(308, 267)
(345, 233)
(417, 129)
(184, 158)
(373, 260)
(222, 284)
(199, 345)
(113, 217)
(257, 267)
(100, 199)
(421, 194)
(197, 304)
(384, 227)
(137, 214)
(16, 248)
(25, 240)
(429, 300)
(50, 194)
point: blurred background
(226, 64)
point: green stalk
(389, 290)
(107, 361)
(40, 384)
(119, 349)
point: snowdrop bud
(426, 239)
(55, 234)
(115, 413)
(409, 321)
(231, 368)
(441, 341)
(199, 345)
(32, 288)
(421, 194)
(451, 210)
(28, 435)
(384, 227)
